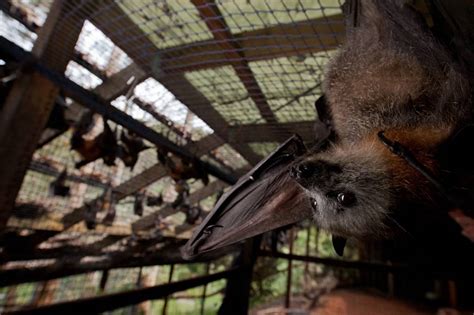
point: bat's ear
(323, 129)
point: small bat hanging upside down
(180, 169)
(104, 145)
(398, 107)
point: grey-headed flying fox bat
(103, 146)
(396, 104)
(130, 149)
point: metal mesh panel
(202, 77)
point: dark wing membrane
(262, 200)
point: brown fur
(391, 75)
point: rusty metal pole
(289, 273)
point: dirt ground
(349, 302)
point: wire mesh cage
(226, 80)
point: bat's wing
(262, 200)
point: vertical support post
(204, 291)
(45, 293)
(289, 271)
(237, 292)
(316, 240)
(10, 299)
(103, 280)
(138, 284)
(170, 278)
(308, 237)
(30, 101)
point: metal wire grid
(282, 80)
(276, 77)
(290, 84)
(35, 190)
(33, 12)
(122, 279)
(191, 35)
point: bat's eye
(346, 199)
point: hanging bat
(138, 204)
(192, 214)
(58, 187)
(90, 214)
(107, 204)
(102, 146)
(29, 211)
(154, 201)
(131, 148)
(182, 168)
(57, 119)
(182, 188)
(392, 76)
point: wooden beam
(113, 301)
(111, 88)
(282, 40)
(116, 84)
(271, 132)
(233, 53)
(148, 221)
(130, 37)
(21, 240)
(32, 253)
(237, 292)
(364, 265)
(100, 106)
(79, 59)
(30, 102)
(138, 255)
(143, 179)
(200, 105)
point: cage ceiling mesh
(227, 80)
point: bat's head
(364, 190)
(350, 189)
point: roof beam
(233, 53)
(271, 132)
(117, 84)
(142, 224)
(144, 179)
(148, 221)
(138, 254)
(32, 253)
(130, 37)
(282, 40)
(113, 301)
(102, 107)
